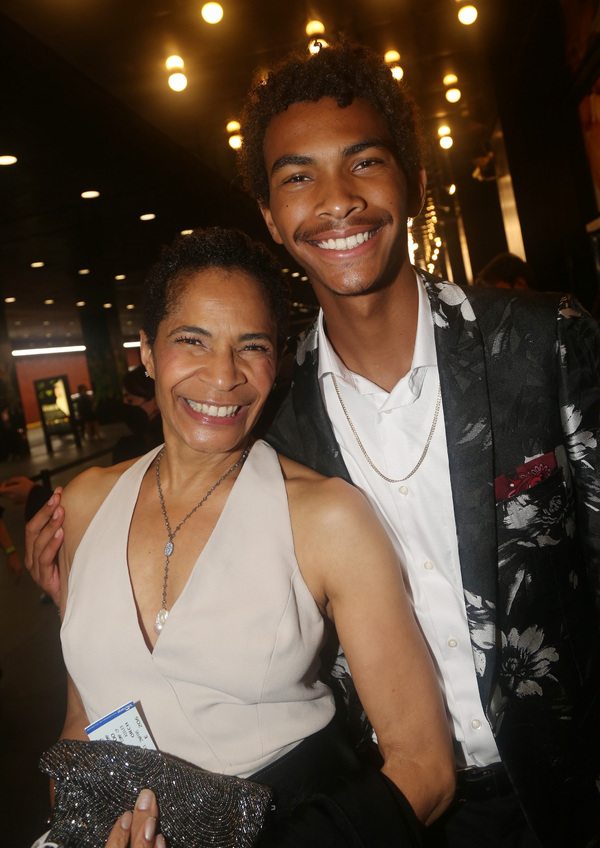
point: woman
(201, 577)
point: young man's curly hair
(343, 71)
(204, 250)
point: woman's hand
(138, 829)
(43, 538)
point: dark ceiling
(85, 105)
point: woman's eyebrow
(185, 328)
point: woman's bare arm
(350, 566)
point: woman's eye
(192, 340)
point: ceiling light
(467, 15)
(316, 45)
(84, 271)
(451, 189)
(446, 142)
(37, 264)
(46, 323)
(438, 242)
(8, 160)
(80, 303)
(315, 28)
(120, 277)
(178, 82)
(397, 72)
(174, 62)
(233, 126)
(235, 141)
(304, 279)
(9, 299)
(87, 195)
(130, 306)
(295, 273)
(212, 13)
(453, 95)
(450, 79)
(443, 131)
(392, 56)
(49, 301)
(186, 232)
(107, 305)
(45, 350)
(131, 344)
(149, 216)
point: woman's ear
(146, 354)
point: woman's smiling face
(214, 360)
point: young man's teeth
(214, 411)
(345, 243)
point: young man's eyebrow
(351, 150)
(367, 144)
(291, 159)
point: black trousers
(489, 823)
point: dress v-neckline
(150, 649)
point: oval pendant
(169, 547)
(162, 616)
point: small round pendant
(162, 616)
(169, 548)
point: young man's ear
(266, 213)
(416, 197)
(146, 354)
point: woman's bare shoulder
(84, 495)
(324, 497)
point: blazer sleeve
(579, 391)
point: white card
(123, 725)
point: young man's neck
(374, 334)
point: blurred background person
(506, 271)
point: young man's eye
(295, 178)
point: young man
(470, 420)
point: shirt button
(452, 642)
(476, 724)
(428, 565)
(387, 411)
(403, 490)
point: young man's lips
(213, 410)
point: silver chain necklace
(163, 612)
(362, 447)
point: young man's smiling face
(339, 199)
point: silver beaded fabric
(97, 781)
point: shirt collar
(408, 388)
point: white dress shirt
(417, 512)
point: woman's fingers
(138, 829)
(43, 538)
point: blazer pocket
(525, 477)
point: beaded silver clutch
(97, 781)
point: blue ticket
(124, 725)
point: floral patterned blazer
(520, 382)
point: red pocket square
(525, 476)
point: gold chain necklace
(362, 447)
(163, 612)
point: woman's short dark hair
(343, 71)
(214, 247)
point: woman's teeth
(345, 243)
(214, 411)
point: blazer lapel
(467, 415)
